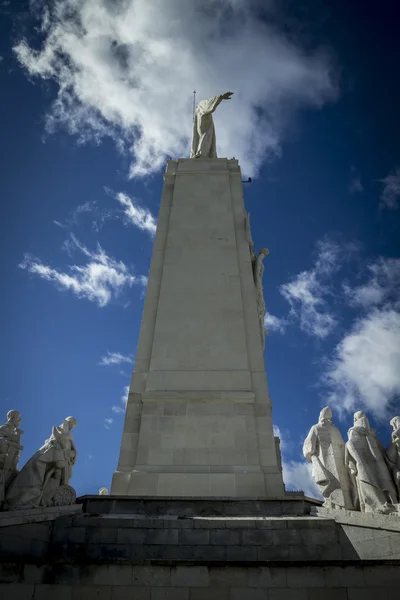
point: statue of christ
(203, 143)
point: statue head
(325, 415)
(395, 423)
(103, 491)
(263, 252)
(69, 423)
(361, 420)
(14, 417)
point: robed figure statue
(370, 467)
(203, 142)
(44, 480)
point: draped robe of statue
(369, 465)
(324, 448)
(203, 141)
(48, 469)
(393, 451)
(10, 448)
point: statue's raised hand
(227, 96)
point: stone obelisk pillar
(198, 419)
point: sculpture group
(44, 480)
(357, 475)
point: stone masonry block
(345, 576)
(190, 576)
(209, 593)
(16, 591)
(101, 536)
(90, 592)
(225, 537)
(268, 577)
(384, 576)
(243, 594)
(162, 536)
(257, 537)
(193, 537)
(305, 577)
(127, 593)
(241, 553)
(160, 593)
(133, 536)
(279, 594)
(368, 594)
(151, 576)
(221, 577)
(50, 592)
(326, 594)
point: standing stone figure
(44, 479)
(10, 449)
(203, 142)
(393, 451)
(368, 464)
(324, 448)
(258, 270)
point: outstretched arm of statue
(226, 96)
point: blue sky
(95, 99)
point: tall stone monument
(198, 419)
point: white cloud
(108, 422)
(135, 214)
(125, 394)
(126, 69)
(307, 293)
(272, 323)
(297, 476)
(355, 186)
(114, 358)
(100, 280)
(382, 287)
(119, 410)
(365, 369)
(391, 189)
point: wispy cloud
(355, 185)
(134, 214)
(115, 358)
(99, 215)
(100, 280)
(364, 370)
(272, 323)
(119, 410)
(390, 195)
(108, 422)
(307, 293)
(383, 285)
(122, 73)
